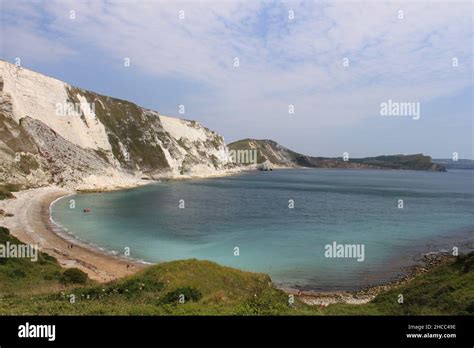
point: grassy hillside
(445, 290)
(413, 162)
(266, 150)
(41, 288)
(269, 150)
(44, 287)
(21, 277)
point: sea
(285, 223)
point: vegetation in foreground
(7, 189)
(192, 287)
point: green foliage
(261, 146)
(414, 162)
(16, 273)
(38, 288)
(127, 126)
(267, 302)
(128, 288)
(7, 189)
(27, 163)
(189, 294)
(74, 276)
(465, 262)
(445, 290)
(4, 234)
(5, 193)
(12, 187)
(266, 149)
(20, 276)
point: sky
(334, 63)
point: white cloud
(282, 62)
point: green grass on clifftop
(45, 288)
(445, 290)
(39, 288)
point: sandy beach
(31, 224)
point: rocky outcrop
(276, 155)
(52, 132)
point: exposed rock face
(265, 166)
(270, 152)
(52, 132)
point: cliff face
(52, 132)
(269, 152)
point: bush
(13, 187)
(45, 259)
(468, 263)
(4, 231)
(7, 189)
(5, 193)
(470, 308)
(129, 288)
(3, 260)
(74, 276)
(55, 275)
(16, 273)
(190, 294)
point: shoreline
(63, 232)
(29, 220)
(426, 263)
(31, 224)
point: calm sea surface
(251, 211)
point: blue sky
(401, 51)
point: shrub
(13, 187)
(3, 260)
(55, 275)
(4, 231)
(470, 308)
(16, 273)
(189, 293)
(129, 288)
(5, 193)
(74, 276)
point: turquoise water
(250, 211)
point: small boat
(87, 210)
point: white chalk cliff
(55, 133)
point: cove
(251, 211)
